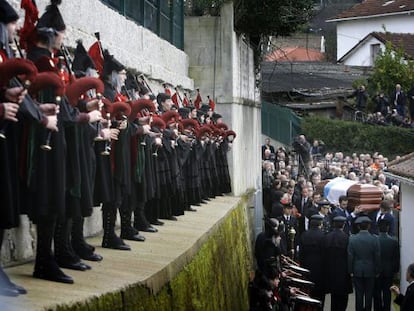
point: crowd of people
(85, 133)
(331, 248)
(387, 110)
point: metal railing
(164, 18)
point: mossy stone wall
(215, 280)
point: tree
(391, 67)
(258, 18)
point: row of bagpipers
(74, 142)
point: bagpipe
(48, 80)
(17, 72)
(295, 278)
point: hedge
(350, 137)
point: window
(375, 49)
(163, 17)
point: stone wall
(133, 45)
(222, 66)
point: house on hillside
(403, 170)
(358, 28)
(366, 51)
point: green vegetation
(350, 137)
(216, 278)
(391, 67)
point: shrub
(350, 137)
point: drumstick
(298, 291)
(290, 260)
(292, 272)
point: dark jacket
(337, 279)
(311, 255)
(390, 255)
(406, 302)
(364, 255)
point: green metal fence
(163, 17)
(280, 123)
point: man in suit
(337, 280)
(385, 212)
(290, 223)
(303, 204)
(267, 146)
(325, 211)
(342, 210)
(398, 100)
(406, 302)
(363, 263)
(390, 264)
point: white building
(403, 170)
(356, 24)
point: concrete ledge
(200, 262)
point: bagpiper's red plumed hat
(16, 67)
(79, 87)
(46, 80)
(203, 130)
(171, 116)
(140, 104)
(120, 110)
(158, 122)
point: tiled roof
(398, 40)
(403, 40)
(376, 7)
(295, 54)
(403, 167)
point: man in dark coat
(277, 207)
(311, 255)
(337, 280)
(385, 213)
(390, 264)
(342, 210)
(406, 302)
(267, 246)
(302, 203)
(398, 100)
(15, 106)
(290, 222)
(267, 146)
(47, 171)
(363, 263)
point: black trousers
(339, 302)
(382, 294)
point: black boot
(127, 231)
(79, 245)
(64, 254)
(110, 239)
(140, 221)
(46, 267)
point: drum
(305, 303)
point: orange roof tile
(298, 54)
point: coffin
(367, 196)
